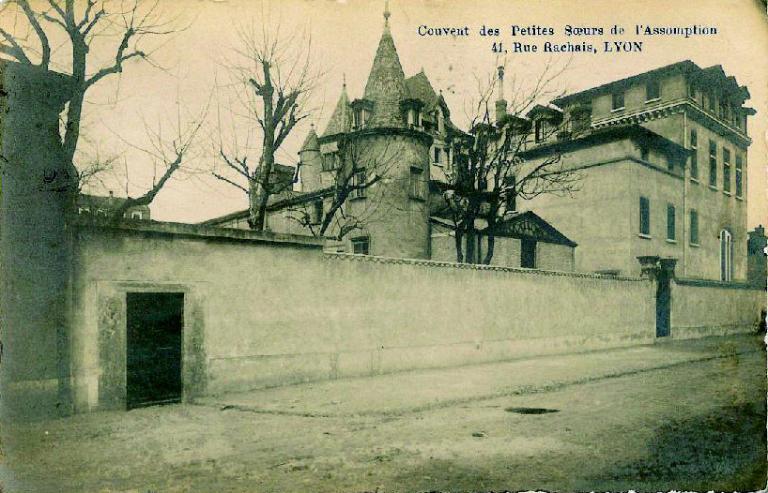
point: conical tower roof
(341, 119)
(311, 143)
(386, 83)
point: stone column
(35, 246)
(667, 267)
(649, 267)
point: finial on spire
(387, 13)
(344, 79)
(501, 82)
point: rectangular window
(711, 103)
(694, 154)
(671, 222)
(358, 184)
(361, 245)
(652, 90)
(417, 187)
(438, 155)
(691, 90)
(539, 130)
(712, 163)
(645, 217)
(617, 101)
(317, 212)
(528, 253)
(694, 227)
(726, 170)
(739, 175)
(330, 161)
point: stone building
(757, 262)
(100, 206)
(661, 156)
(401, 129)
(664, 167)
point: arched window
(726, 255)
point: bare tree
(129, 22)
(167, 156)
(491, 171)
(352, 173)
(277, 80)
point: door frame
(112, 327)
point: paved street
(680, 415)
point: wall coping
(330, 256)
(709, 283)
(199, 231)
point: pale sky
(345, 35)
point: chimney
(501, 103)
(111, 194)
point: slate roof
(419, 87)
(386, 84)
(341, 119)
(310, 142)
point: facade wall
(260, 314)
(712, 308)
(596, 217)
(672, 87)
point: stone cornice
(666, 108)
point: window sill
(739, 197)
(616, 110)
(673, 242)
(644, 236)
(725, 192)
(695, 180)
(653, 100)
(712, 187)
(694, 245)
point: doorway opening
(154, 335)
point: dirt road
(695, 425)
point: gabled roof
(528, 225)
(525, 225)
(341, 119)
(546, 110)
(386, 84)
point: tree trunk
(471, 254)
(489, 253)
(458, 239)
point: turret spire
(387, 13)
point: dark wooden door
(528, 253)
(154, 348)
(663, 305)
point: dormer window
(539, 127)
(361, 112)
(360, 118)
(412, 112)
(652, 91)
(414, 118)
